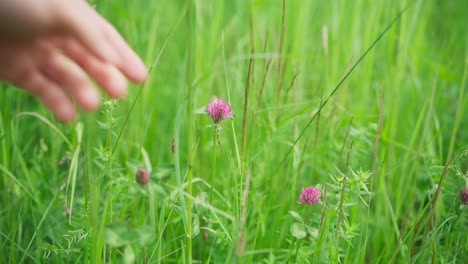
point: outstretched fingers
(130, 63)
(71, 78)
(73, 44)
(98, 36)
(105, 74)
(76, 18)
(50, 94)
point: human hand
(50, 47)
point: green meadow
(365, 100)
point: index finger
(100, 37)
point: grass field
(365, 100)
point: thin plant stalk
(190, 132)
(213, 167)
(296, 251)
(342, 194)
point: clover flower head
(218, 109)
(142, 176)
(464, 195)
(309, 195)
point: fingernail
(119, 86)
(91, 99)
(115, 84)
(142, 68)
(66, 112)
(139, 70)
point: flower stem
(213, 167)
(190, 133)
(296, 250)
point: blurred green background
(405, 210)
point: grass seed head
(173, 145)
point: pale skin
(54, 49)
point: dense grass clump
(338, 134)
